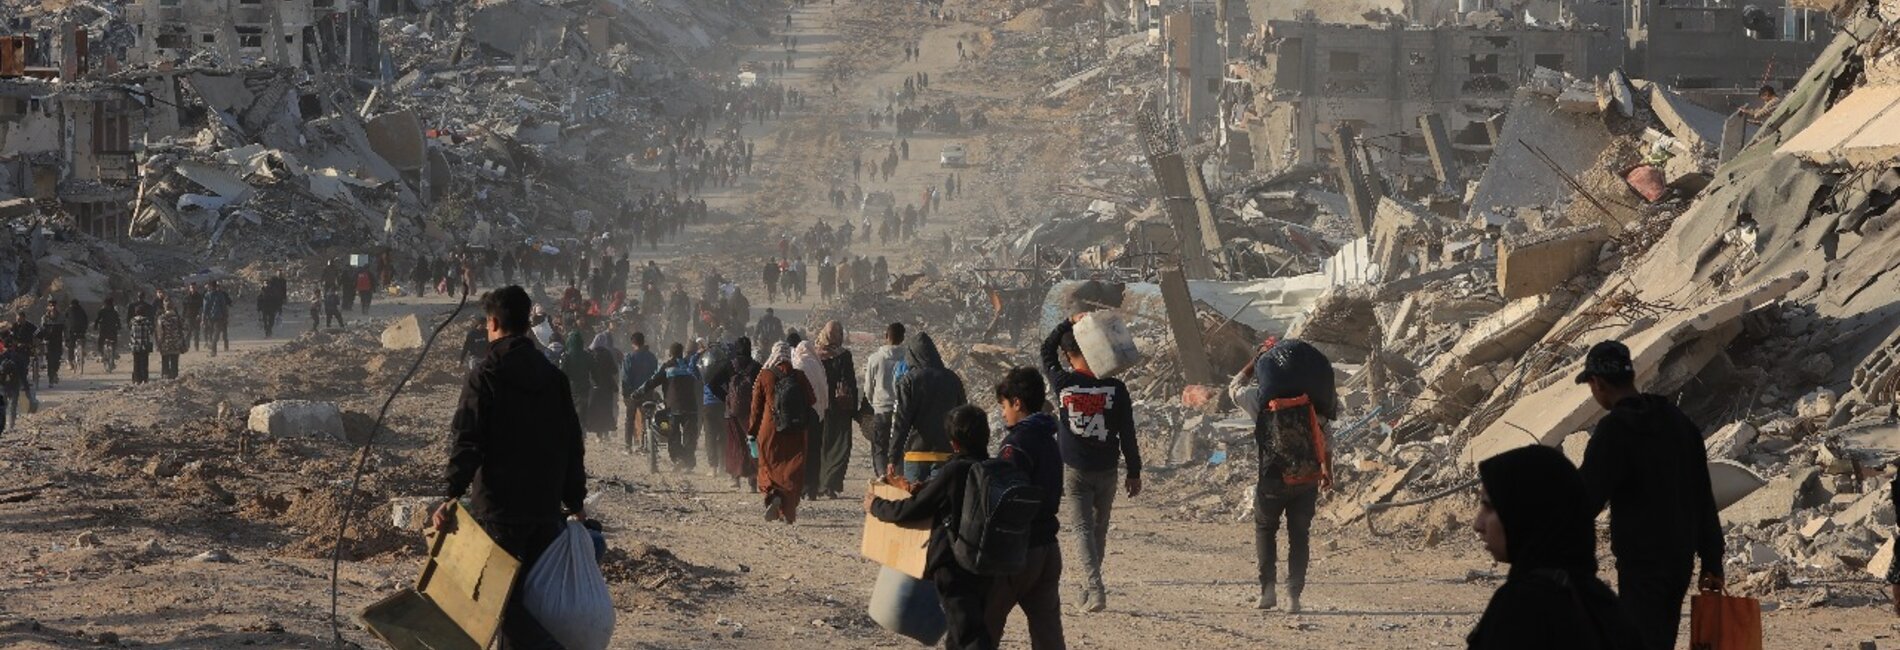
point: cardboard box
(898, 546)
(457, 603)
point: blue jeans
(920, 472)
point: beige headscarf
(830, 340)
(781, 353)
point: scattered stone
(107, 638)
(1756, 555)
(290, 418)
(160, 467)
(1816, 367)
(86, 539)
(410, 513)
(1732, 441)
(217, 556)
(1817, 405)
(403, 334)
(148, 548)
(1773, 502)
(1816, 526)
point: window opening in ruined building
(1481, 64)
(250, 2)
(209, 38)
(1548, 60)
(250, 37)
(167, 3)
(1342, 61)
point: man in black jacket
(1097, 421)
(682, 391)
(1031, 445)
(1645, 460)
(925, 396)
(516, 450)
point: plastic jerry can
(908, 606)
(1106, 343)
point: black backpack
(790, 409)
(990, 536)
(739, 392)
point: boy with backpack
(1097, 421)
(982, 509)
(1296, 391)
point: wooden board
(898, 546)
(457, 601)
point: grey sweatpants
(1091, 496)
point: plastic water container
(908, 606)
(1106, 343)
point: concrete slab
(1508, 332)
(1533, 264)
(1882, 561)
(397, 137)
(1731, 482)
(1562, 407)
(1776, 501)
(1862, 129)
(1517, 177)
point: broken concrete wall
(1533, 264)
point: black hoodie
(1031, 444)
(516, 441)
(1097, 414)
(925, 395)
(1552, 598)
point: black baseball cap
(1607, 359)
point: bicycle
(109, 354)
(76, 354)
(659, 423)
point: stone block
(1882, 561)
(291, 418)
(1816, 527)
(1756, 555)
(1873, 509)
(1732, 441)
(1776, 501)
(1731, 482)
(403, 334)
(1533, 264)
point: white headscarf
(781, 353)
(807, 362)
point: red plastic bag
(1720, 622)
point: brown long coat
(781, 453)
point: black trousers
(519, 630)
(141, 367)
(880, 443)
(168, 366)
(1038, 591)
(685, 438)
(965, 598)
(1297, 504)
(1651, 594)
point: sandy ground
(106, 555)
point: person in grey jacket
(880, 381)
(925, 396)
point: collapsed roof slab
(1862, 129)
(1562, 408)
(1517, 177)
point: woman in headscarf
(1532, 515)
(841, 391)
(781, 453)
(579, 366)
(805, 359)
(599, 417)
(732, 383)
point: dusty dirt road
(107, 556)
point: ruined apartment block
(291, 33)
(1380, 80)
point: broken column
(1438, 144)
(1353, 178)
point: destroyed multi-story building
(291, 33)
(1302, 78)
